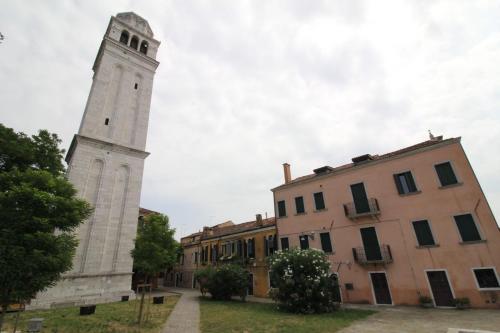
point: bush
(302, 281)
(224, 282)
(202, 277)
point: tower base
(81, 289)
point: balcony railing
(382, 255)
(371, 208)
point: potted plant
(425, 302)
(461, 303)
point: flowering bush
(224, 281)
(302, 281)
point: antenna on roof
(430, 135)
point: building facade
(105, 164)
(397, 226)
(247, 244)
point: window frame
(278, 208)
(440, 186)
(308, 243)
(281, 243)
(303, 206)
(474, 220)
(417, 188)
(324, 201)
(332, 250)
(436, 243)
(477, 282)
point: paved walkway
(185, 318)
(402, 319)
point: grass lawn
(234, 316)
(111, 317)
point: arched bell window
(144, 47)
(124, 37)
(134, 42)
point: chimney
(286, 171)
(258, 218)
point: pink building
(397, 226)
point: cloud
(244, 86)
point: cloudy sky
(244, 86)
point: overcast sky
(244, 86)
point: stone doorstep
(466, 330)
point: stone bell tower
(105, 164)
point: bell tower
(105, 164)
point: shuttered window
(486, 278)
(467, 228)
(304, 242)
(281, 208)
(266, 246)
(299, 205)
(284, 243)
(405, 183)
(326, 243)
(446, 174)
(319, 201)
(423, 233)
(251, 248)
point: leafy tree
(38, 211)
(302, 280)
(202, 277)
(155, 246)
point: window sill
(451, 185)
(300, 214)
(426, 246)
(410, 193)
(473, 242)
(489, 289)
(321, 210)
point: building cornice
(241, 233)
(369, 164)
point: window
(281, 208)
(467, 228)
(134, 42)
(405, 183)
(319, 201)
(251, 248)
(326, 242)
(124, 37)
(284, 243)
(196, 257)
(270, 245)
(106, 121)
(304, 242)
(144, 47)
(446, 174)
(423, 233)
(135, 86)
(299, 205)
(486, 278)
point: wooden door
(360, 198)
(381, 288)
(370, 244)
(440, 288)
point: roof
(137, 22)
(238, 228)
(373, 158)
(146, 212)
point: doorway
(381, 288)
(440, 288)
(371, 244)
(250, 284)
(360, 198)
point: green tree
(38, 212)
(155, 246)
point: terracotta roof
(145, 212)
(374, 158)
(238, 228)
